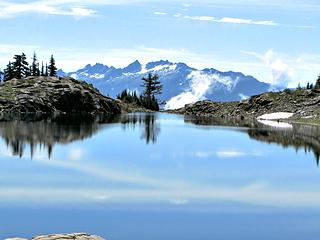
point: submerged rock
(52, 94)
(72, 236)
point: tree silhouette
(35, 71)
(317, 86)
(52, 67)
(152, 87)
(8, 72)
(19, 68)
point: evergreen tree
(152, 87)
(35, 71)
(42, 69)
(299, 86)
(20, 67)
(8, 72)
(1, 75)
(317, 86)
(46, 72)
(52, 67)
(308, 85)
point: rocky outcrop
(72, 236)
(52, 94)
(303, 103)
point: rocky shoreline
(304, 104)
(72, 236)
(53, 95)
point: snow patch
(75, 76)
(97, 76)
(160, 68)
(276, 116)
(276, 124)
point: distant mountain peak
(133, 67)
(181, 83)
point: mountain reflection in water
(46, 131)
(306, 137)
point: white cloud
(243, 96)
(76, 154)
(282, 71)
(200, 84)
(160, 13)
(44, 7)
(246, 21)
(177, 15)
(202, 154)
(233, 154)
(307, 27)
(224, 154)
(200, 18)
(179, 201)
(229, 20)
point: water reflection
(306, 137)
(45, 131)
(148, 122)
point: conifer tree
(35, 71)
(20, 67)
(42, 69)
(52, 67)
(317, 86)
(152, 87)
(1, 75)
(8, 72)
(46, 72)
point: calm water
(143, 177)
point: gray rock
(72, 236)
(51, 94)
(302, 103)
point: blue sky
(277, 41)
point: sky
(275, 41)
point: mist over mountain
(181, 83)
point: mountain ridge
(182, 84)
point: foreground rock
(51, 94)
(304, 104)
(72, 236)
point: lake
(159, 176)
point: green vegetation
(20, 68)
(148, 100)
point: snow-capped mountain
(181, 83)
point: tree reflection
(45, 131)
(298, 136)
(146, 121)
